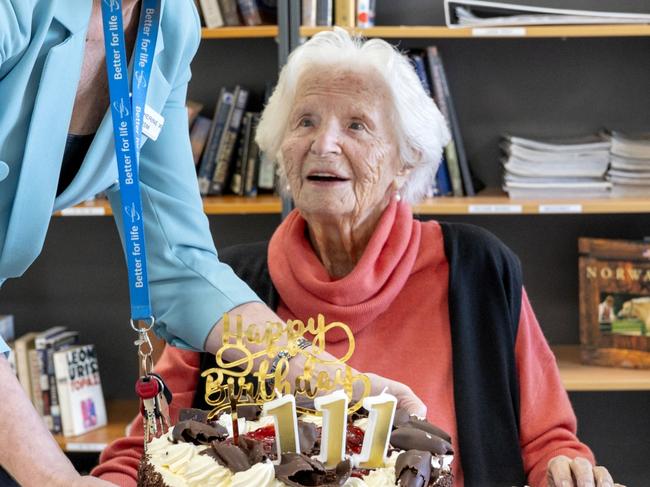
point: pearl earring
(397, 195)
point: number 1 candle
(335, 412)
(381, 411)
(283, 410)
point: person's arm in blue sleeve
(190, 289)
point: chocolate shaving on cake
(443, 480)
(195, 414)
(147, 475)
(298, 470)
(192, 431)
(408, 438)
(403, 418)
(307, 436)
(229, 456)
(421, 424)
(413, 468)
(253, 449)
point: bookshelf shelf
(575, 377)
(579, 377)
(440, 32)
(243, 32)
(120, 413)
(499, 204)
(213, 205)
(490, 203)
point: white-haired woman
(439, 307)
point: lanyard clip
(145, 347)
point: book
(437, 67)
(614, 278)
(443, 181)
(40, 345)
(22, 345)
(229, 12)
(238, 175)
(345, 13)
(79, 389)
(249, 12)
(365, 13)
(308, 13)
(223, 167)
(252, 164)
(35, 380)
(211, 13)
(324, 12)
(266, 173)
(450, 150)
(199, 137)
(51, 408)
(478, 13)
(209, 158)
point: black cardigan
(485, 290)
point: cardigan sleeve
(190, 288)
(547, 422)
(119, 462)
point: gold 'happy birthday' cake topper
(233, 382)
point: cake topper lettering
(254, 361)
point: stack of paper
(481, 13)
(556, 168)
(630, 164)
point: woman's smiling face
(340, 150)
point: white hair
(420, 128)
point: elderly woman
(439, 307)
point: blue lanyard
(127, 114)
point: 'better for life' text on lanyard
(127, 113)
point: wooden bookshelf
(120, 413)
(579, 377)
(488, 202)
(575, 377)
(224, 205)
(213, 205)
(242, 32)
(441, 32)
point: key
(147, 388)
(162, 401)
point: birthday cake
(198, 453)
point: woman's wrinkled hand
(563, 471)
(406, 398)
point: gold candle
(283, 410)
(381, 411)
(334, 407)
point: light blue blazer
(41, 51)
